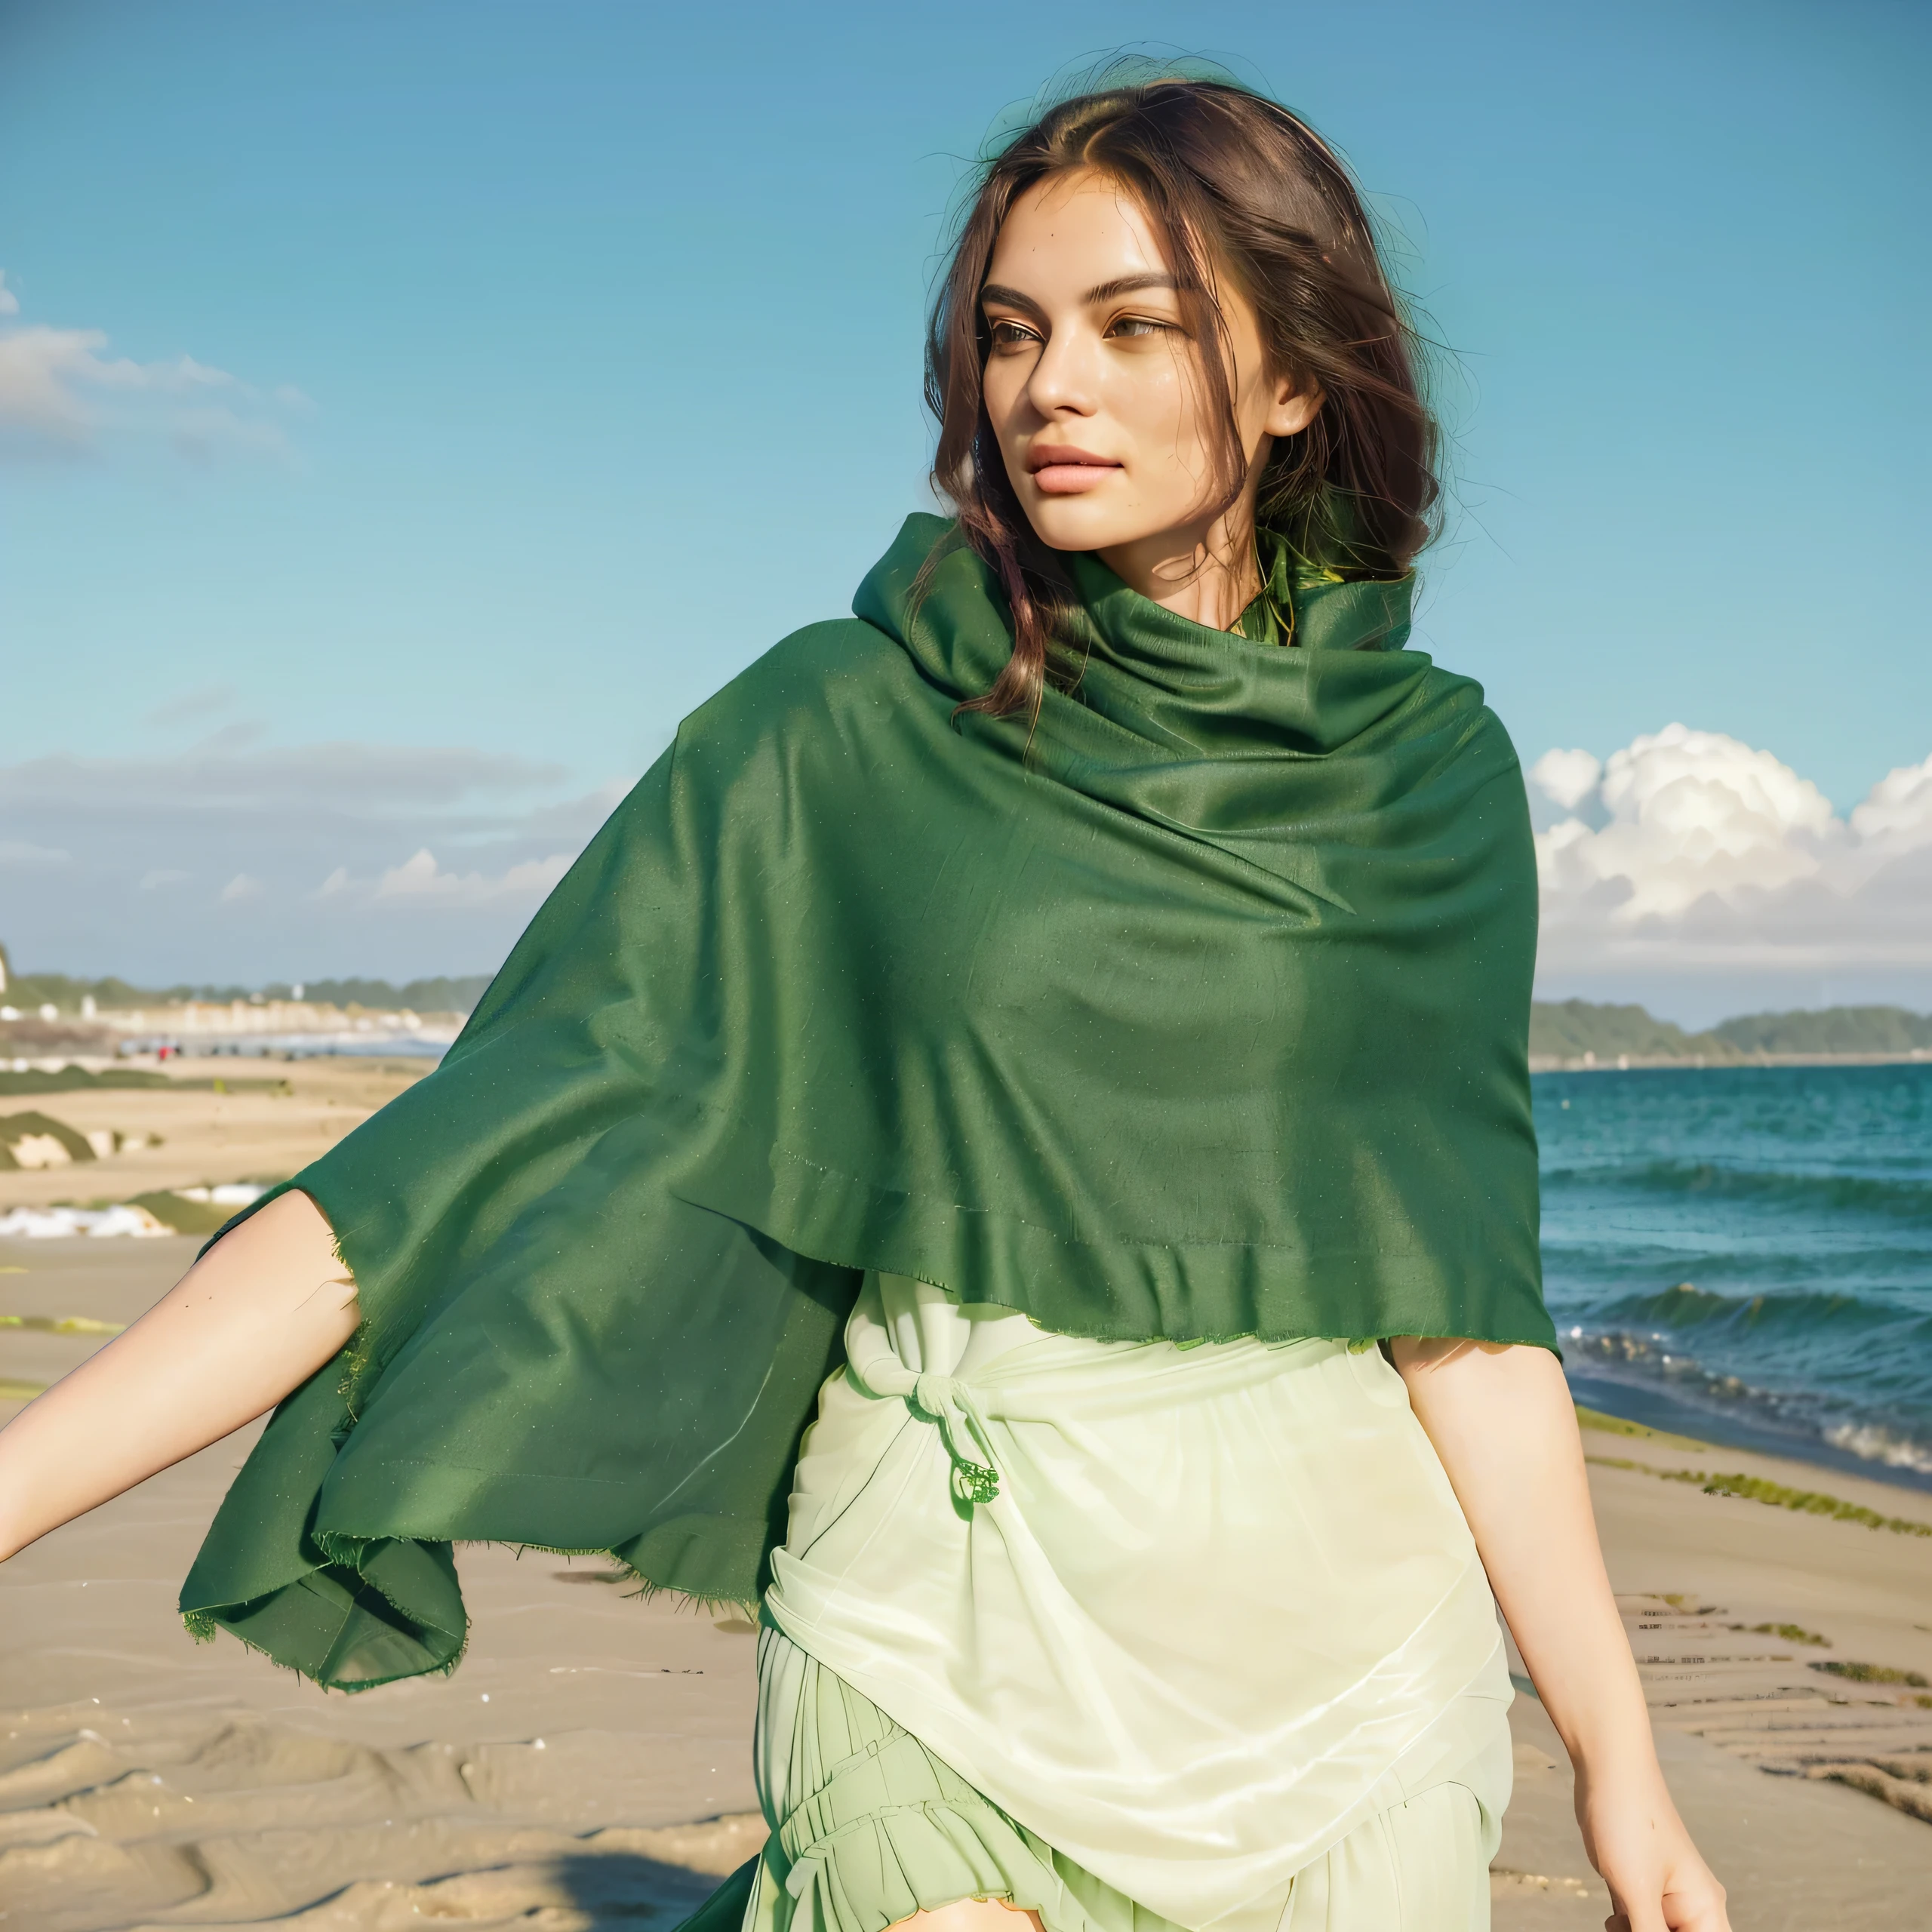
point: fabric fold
(1221, 1607)
(868, 1825)
(1197, 1009)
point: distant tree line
(1559, 1029)
(1567, 1029)
(62, 991)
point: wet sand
(588, 1763)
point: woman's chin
(1070, 523)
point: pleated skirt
(868, 1827)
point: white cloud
(47, 375)
(1566, 778)
(422, 879)
(204, 434)
(1898, 811)
(325, 831)
(1691, 849)
(190, 707)
(230, 771)
(20, 852)
(59, 393)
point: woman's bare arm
(255, 1317)
(1502, 1420)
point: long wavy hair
(1239, 191)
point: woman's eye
(1138, 325)
(1011, 335)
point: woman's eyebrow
(998, 291)
(1104, 291)
(1129, 285)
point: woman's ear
(1293, 409)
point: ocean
(1745, 1254)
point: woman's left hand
(1635, 1839)
(1502, 1420)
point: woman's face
(1095, 391)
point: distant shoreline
(1591, 1063)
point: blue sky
(547, 363)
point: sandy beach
(588, 1763)
(218, 1118)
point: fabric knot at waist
(949, 1401)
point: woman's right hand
(264, 1308)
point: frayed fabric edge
(204, 1626)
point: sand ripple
(119, 1824)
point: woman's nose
(1062, 381)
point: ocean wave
(1800, 1206)
(1909, 1197)
(1816, 1311)
(1801, 1413)
(1877, 1444)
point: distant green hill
(1570, 1029)
(1559, 1030)
(1837, 1030)
(28, 991)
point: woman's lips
(1060, 471)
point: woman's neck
(1209, 576)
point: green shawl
(1197, 1010)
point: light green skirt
(868, 1827)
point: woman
(1058, 1022)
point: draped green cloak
(1197, 1009)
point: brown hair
(1232, 183)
